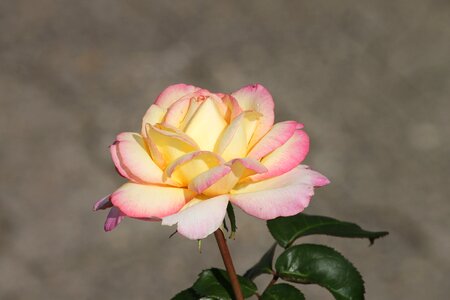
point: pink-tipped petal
(118, 164)
(132, 159)
(221, 179)
(236, 137)
(190, 165)
(155, 114)
(198, 220)
(286, 157)
(103, 203)
(257, 98)
(208, 178)
(115, 216)
(173, 93)
(177, 112)
(279, 134)
(149, 201)
(281, 196)
(166, 143)
(233, 109)
(250, 164)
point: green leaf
(215, 283)
(188, 294)
(282, 291)
(286, 230)
(232, 217)
(264, 265)
(322, 265)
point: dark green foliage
(286, 230)
(188, 294)
(215, 283)
(309, 263)
(282, 291)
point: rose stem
(228, 262)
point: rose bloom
(197, 151)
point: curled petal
(115, 216)
(286, 157)
(279, 134)
(236, 137)
(155, 114)
(149, 201)
(208, 178)
(167, 144)
(177, 112)
(132, 159)
(232, 107)
(281, 196)
(221, 179)
(257, 98)
(190, 165)
(199, 218)
(173, 93)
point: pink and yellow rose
(197, 151)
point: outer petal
(149, 201)
(256, 97)
(285, 195)
(103, 203)
(279, 134)
(200, 218)
(173, 93)
(286, 157)
(132, 159)
(115, 216)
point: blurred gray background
(369, 79)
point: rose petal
(208, 178)
(103, 203)
(173, 93)
(200, 218)
(221, 179)
(233, 108)
(168, 143)
(149, 201)
(257, 98)
(190, 165)
(206, 125)
(154, 114)
(234, 141)
(132, 159)
(115, 216)
(279, 134)
(284, 195)
(286, 157)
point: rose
(199, 150)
